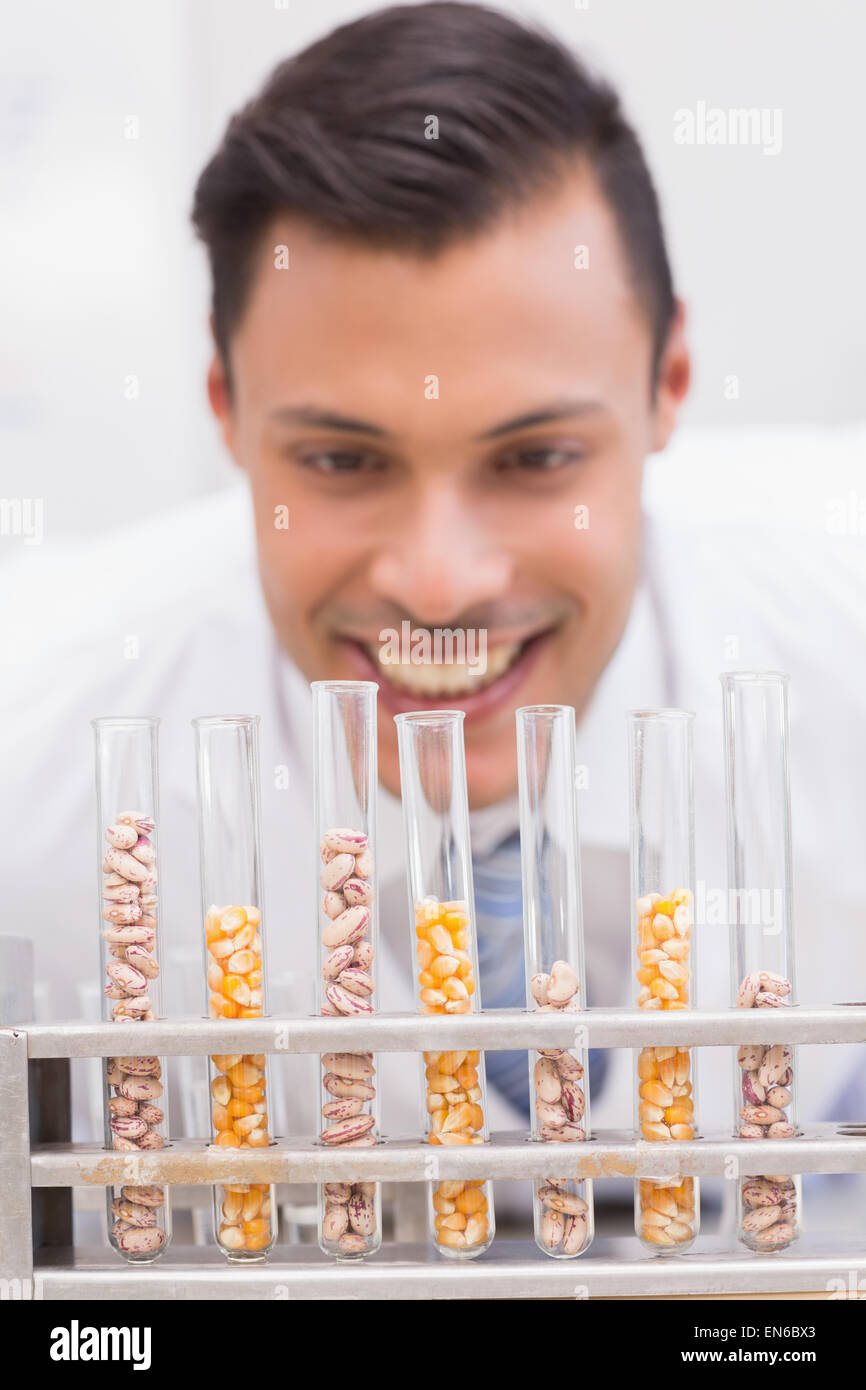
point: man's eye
(537, 460)
(340, 460)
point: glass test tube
(439, 859)
(227, 778)
(553, 944)
(667, 1210)
(762, 943)
(345, 781)
(127, 809)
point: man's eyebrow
(324, 420)
(558, 410)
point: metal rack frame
(611, 1268)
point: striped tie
(499, 920)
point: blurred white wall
(110, 109)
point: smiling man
(446, 340)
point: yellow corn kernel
(244, 1074)
(231, 1237)
(476, 1229)
(242, 962)
(232, 920)
(663, 1199)
(234, 987)
(678, 1230)
(675, 972)
(655, 1133)
(682, 1132)
(667, 1072)
(232, 1208)
(647, 1067)
(656, 1236)
(663, 927)
(455, 1239)
(439, 939)
(653, 1114)
(459, 1117)
(656, 1093)
(443, 966)
(471, 1200)
(679, 1114)
(220, 1007)
(221, 1090)
(662, 989)
(435, 997)
(451, 1062)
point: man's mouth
(475, 686)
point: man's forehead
(540, 301)
(565, 238)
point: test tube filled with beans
(345, 781)
(227, 779)
(553, 946)
(439, 861)
(139, 1226)
(667, 1211)
(755, 707)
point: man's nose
(440, 561)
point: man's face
(459, 442)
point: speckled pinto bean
(134, 1121)
(768, 1205)
(666, 1108)
(446, 982)
(239, 1106)
(348, 1214)
(560, 1103)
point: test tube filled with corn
(227, 767)
(661, 762)
(553, 946)
(127, 808)
(345, 781)
(755, 705)
(436, 823)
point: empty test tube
(135, 1102)
(667, 1212)
(345, 781)
(553, 947)
(227, 767)
(761, 895)
(436, 823)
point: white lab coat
(167, 619)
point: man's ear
(220, 397)
(674, 376)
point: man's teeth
(453, 678)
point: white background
(103, 280)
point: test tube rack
(36, 1176)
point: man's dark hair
(339, 136)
